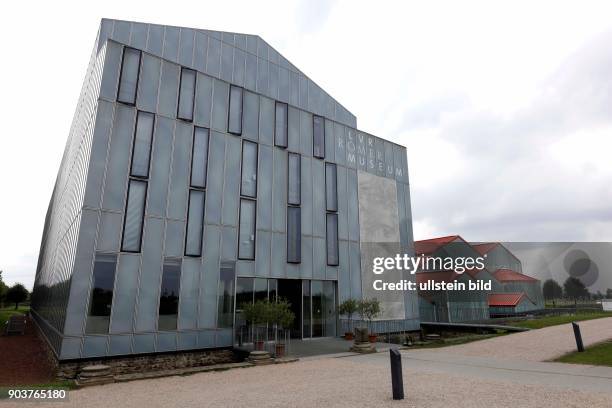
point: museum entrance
(313, 302)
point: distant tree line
(572, 288)
(15, 294)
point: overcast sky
(505, 107)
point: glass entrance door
(319, 301)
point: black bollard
(578, 336)
(397, 383)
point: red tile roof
(474, 272)
(508, 275)
(505, 299)
(485, 247)
(429, 246)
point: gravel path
(327, 382)
(538, 345)
(364, 381)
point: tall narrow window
(134, 213)
(195, 220)
(248, 184)
(281, 124)
(169, 295)
(199, 157)
(101, 298)
(142, 144)
(318, 137)
(186, 94)
(246, 234)
(332, 239)
(331, 187)
(128, 79)
(225, 309)
(294, 179)
(234, 122)
(294, 235)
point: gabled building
(204, 170)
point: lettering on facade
(362, 151)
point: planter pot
(259, 345)
(348, 336)
(372, 338)
(280, 350)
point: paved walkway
(445, 377)
(538, 345)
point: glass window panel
(272, 289)
(332, 239)
(134, 212)
(318, 137)
(101, 297)
(248, 184)
(329, 309)
(331, 187)
(195, 219)
(199, 157)
(317, 308)
(260, 289)
(306, 309)
(186, 94)
(234, 124)
(246, 244)
(281, 124)
(294, 179)
(128, 82)
(294, 235)
(225, 308)
(169, 295)
(244, 296)
(142, 144)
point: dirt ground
(26, 357)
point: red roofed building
(503, 304)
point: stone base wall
(152, 362)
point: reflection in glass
(226, 294)
(306, 309)
(248, 184)
(134, 213)
(195, 223)
(101, 299)
(317, 308)
(169, 295)
(128, 82)
(142, 144)
(246, 234)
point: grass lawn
(6, 312)
(598, 354)
(540, 322)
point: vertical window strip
(246, 229)
(187, 89)
(199, 157)
(318, 137)
(332, 239)
(128, 77)
(134, 216)
(234, 119)
(281, 124)
(143, 141)
(248, 172)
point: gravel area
(538, 345)
(326, 382)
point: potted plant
(369, 309)
(256, 314)
(348, 308)
(281, 316)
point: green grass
(541, 322)
(6, 312)
(598, 354)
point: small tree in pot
(349, 307)
(256, 314)
(281, 316)
(369, 309)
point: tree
(349, 307)
(552, 290)
(609, 293)
(575, 289)
(16, 294)
(3, 290)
